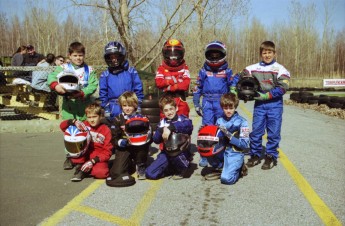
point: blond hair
(129, 98)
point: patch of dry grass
(324, 109)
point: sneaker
(141, 171)
(214, 175)
(253, 161)
(269, 162)
(179, 175)
(203, 162)
(244, 171)
(78, 174)
(68, 165)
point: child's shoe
(269, 162)
(179, 175)
(203, 162)
(141, 171)
(78, 174)
(214, 175)
(253, 161)
(68, 165)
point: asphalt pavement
(307, 187)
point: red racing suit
(174, 81)
(100, 147)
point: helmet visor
(75, 147)
(114, 59)
(207, 141)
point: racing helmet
(215, 54)
(69, 80)
(138, 130)
(173, 52)
(247, 87)
(177, 143)
(118, 50)
(76, 141)
(211, 140)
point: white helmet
(69, 80)
(76, 141)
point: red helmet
(138, 130)
(76, 141)
(173, 52)
(211, 140)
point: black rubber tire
(153, 126)
(150, 111)
(313, 101)
(147, 103)
(334, 105)
(294, 96)
(153, 118)
(323, 99)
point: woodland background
(144, 25)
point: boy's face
(77, 58)
(127, 109)
(93, 119)
(229, 111)
(169, 111)
(267, 56)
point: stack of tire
(150, 108)
(309, 98)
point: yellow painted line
(146, 201)
(73, 204)
(104, 215)
(322, 210)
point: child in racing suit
(125, 152)
(231, 160)
(118, 78)
(268, 107)
(94, 161)
(173, 75)
(165, 164)
(213, 81)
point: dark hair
(50, 58)
(166, 99)
(20, 48)
(267, 45)
(76, 47)
(229, 100)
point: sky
(268, 12)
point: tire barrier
(306, 97)
(150, 108)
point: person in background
(39, 78)
(31, 58)
(59, 60)
(17, 57)
(213, 81)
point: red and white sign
(333, 82)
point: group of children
(121, 94)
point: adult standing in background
(17, 57)
(32, 58)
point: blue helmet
(215, 54)
(114, 54)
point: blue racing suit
(164, 164)
(274, 80)
(112, 85)
(211, 85)
(230, 159)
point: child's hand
(263, 96)
(198, 111)
(60, 89)
(123, 143)
(226, 132)
(166, 133)
(87, 166)
(80, 125)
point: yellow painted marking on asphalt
(71, 206)
(146, 201)
(104, 215)
(322, 210)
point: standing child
(173, 76)
(231, 160)
(126, 152)
(94, 161)
(213, 81)
(268, 107)
(165, 164)
(73, 105)
(118, 78)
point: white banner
(333, 82)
